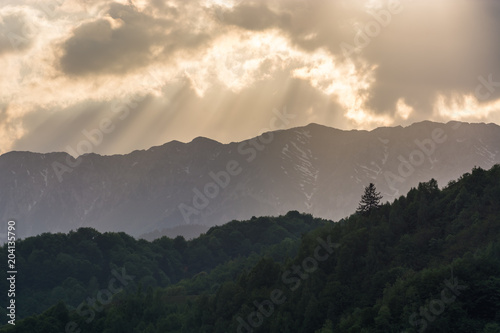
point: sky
(113, 76)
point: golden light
(403, 110)
(465, 107)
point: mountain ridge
(203, 138)
(314, 169)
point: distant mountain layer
(313, 169)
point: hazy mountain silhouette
(314, 169)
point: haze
(221, 69)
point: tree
(369, 200)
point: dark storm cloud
(98, 47)
(423, 49)
(424, 52)
(310, 24)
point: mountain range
(185, 188)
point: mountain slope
(428, 262)
(314, 169)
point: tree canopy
(369, 200)
(430, 261)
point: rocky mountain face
(314, 169)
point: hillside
(68, 267)
(430, 262)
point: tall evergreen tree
(369, 200)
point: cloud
(219, 113)
(252, 16)
(17, 32)
(218, 68)
(10, 128)
(98, 48)
(123, 41)
(431, 49)
(420, 49)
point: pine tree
(369, 200)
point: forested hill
(74, 266)
(430, 261)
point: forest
(429, 261)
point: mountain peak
(203, 140)
(207, 182)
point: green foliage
(370, 200)
(71, 267)
(430, 262)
